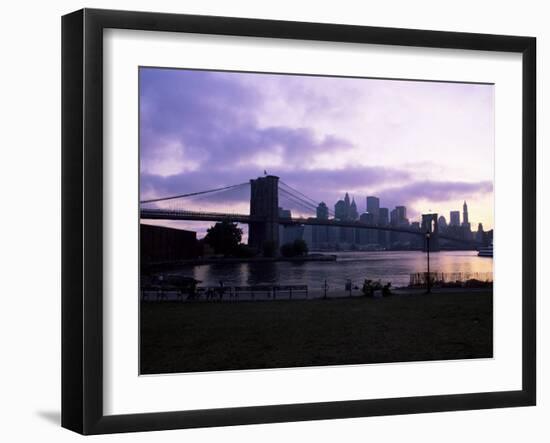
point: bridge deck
(162, 214)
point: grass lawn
(189, 337)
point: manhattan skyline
(423, 145)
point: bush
(369, 286)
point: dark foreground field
(189, 337)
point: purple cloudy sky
(425, 145)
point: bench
(161, 292)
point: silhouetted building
(347, 235)
(367, 217)
(322, 211)
(465, 213)
(340, 210)
(480, 235)
(343, 209)
(321, 236)
(466, 228)
(368, 236)
(373, 207)
(353, 214)
(384, 216)
(398, 216)
(285, 213)
(455, 218)
(307, 235)
(393, 217)
(347, 200)
(333, 236)
(401, 213)
(290, 233)
(442, 222)
(160, 244)
(384, 220)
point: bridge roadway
(164, 214)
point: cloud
(211, 117)
(203, 130)
(434, 191)
(326, 185)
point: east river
(386, 266)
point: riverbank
(190, 337)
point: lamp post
(428, 279)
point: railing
(176, 292)
(190, 213)
(246, 218)
(452, 279)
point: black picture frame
(82, 218)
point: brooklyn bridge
(264, 217)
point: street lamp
(428, 280)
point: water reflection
(393, 266)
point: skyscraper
(480, 234)
(373, 207)
(367, 217)
(353, 214)
(384, 220)
(340, 210)
(346, 200)
(384, 216)
(466, 228)
(394, 217)
(368, 236)
(343, 209)
(322, 211)
(465, 213)
(455, 218)
(284, 213)
(401, 213)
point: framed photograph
(269, 221)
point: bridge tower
(264, 203)
(429, 224)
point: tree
(224, 237)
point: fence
(171, 292)
(452, 279)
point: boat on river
(486, 251)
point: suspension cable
(154, 200)
(331, 212)
(300, 193)
(312, 206)
(301, 204)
